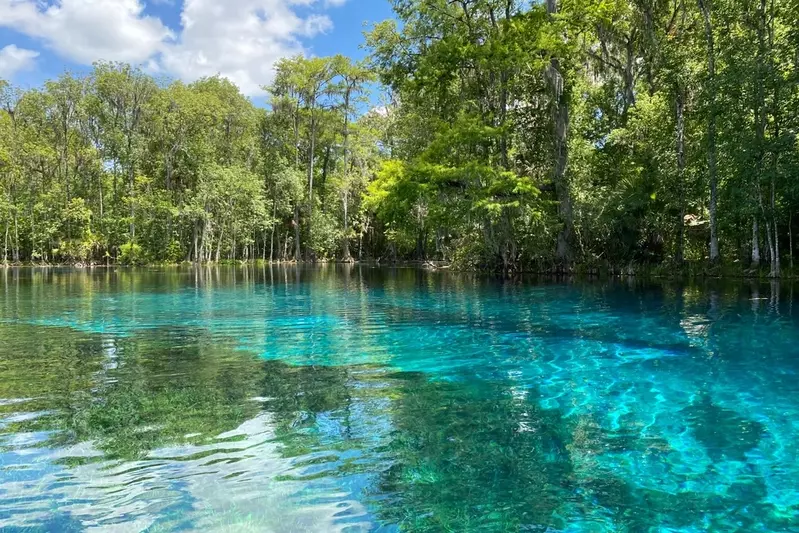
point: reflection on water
(355, 399)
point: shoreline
(664, 272)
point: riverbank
(643, 271)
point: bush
(174, 253)
(131, 254)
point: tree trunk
(311, 162)
(760, 124)
(296, 221)
(31, 213)
(560, 113)
(680, 126)
(790, 238)
(115, 187)
(629, 77)
(132, 186)
(16, 238)
(775, 246)
(100, 187)
(775, 264)
(711, 130)
(219, 241)
(346, 257)
(65, 169)
(755, 244)
(204, 238)
(196, 257)
(297, 255)
(274, 227)
(345, 197)
(323, 181)
(769, 243)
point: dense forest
(511, 135)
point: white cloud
(13, 59)
(238, 39)
(380, 110)
(87, 30)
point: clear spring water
(357, 399)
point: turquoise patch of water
(356, 399)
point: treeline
(115, 166)
(516, 135)
(596, 132)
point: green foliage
(174, 252)
(585, 125)
(131, 254)
(112, 165)
(326, 237)
(514, 135)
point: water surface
(357, 399)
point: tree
(509, 135)
(309, 81)
(124, 93)
(352, 80)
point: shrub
(131, 254)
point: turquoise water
(357, 399)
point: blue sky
(181, 39)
